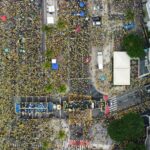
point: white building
(144, 63)
(121, 68)
(148, 12)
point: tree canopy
(61, 134)
(133, 45)
(135, 146)
(46, 65)
(48, 88)
(62, 88)
(49, 54)
(61, 24)
(130, 127)
(48, 28)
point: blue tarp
(55, 66)
(17, 108)
(81, 4)
(82, 13)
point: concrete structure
(121, 68)
(34, 107)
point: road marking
(113, 104)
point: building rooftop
(121, 71)
(144, 64)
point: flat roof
(148, 8)
(121, 68)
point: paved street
(126, 100)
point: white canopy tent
(51, 9)
(50, 20)
(121, 68)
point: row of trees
(128, 131)
(49, 54)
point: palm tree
(46, 65)
(61, 24)
(48, 28)
(62, 88)
(61, 135)
(45, 145)
(49, 88)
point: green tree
(45, 145)
(62, 88)
(49, 88)
(46, 65)
(130, 127)
(135, 146)
(129, 15)
(49, 54)
(133, 45)
(48, 28)
(61, 135)
(61, 24)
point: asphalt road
(127, 100)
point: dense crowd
(21, 35)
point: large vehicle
(129, 26)
(100, 60)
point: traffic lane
(128, 100)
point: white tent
(121, 71)
(53, 61)
(51, 9)
(50, 20)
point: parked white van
(100, 60)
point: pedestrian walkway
(113, 104)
